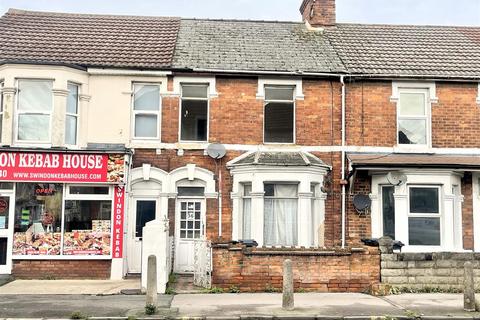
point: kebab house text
(62, 205)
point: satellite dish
(361, 202)
(396, 178)
(216, 150)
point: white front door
(143, 210)
(6, 233)
(189, 226)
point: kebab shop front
(61, 215)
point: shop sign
(118, 209)
(62, 167)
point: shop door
(144, 210)
(6, 232)
(189, 227)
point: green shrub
(77, 315)
(150, 309)
(234, 289)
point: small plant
(48, 277)
(169, 290)
(214, 290)
(387, 317)
(150, 309)
(172, 278)
(300, 290)
(412, 314)
(271, 289)
(234, 289)
(132, 318)
(77, 315)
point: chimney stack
(318, 13)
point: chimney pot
(318, 13)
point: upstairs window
(279, 113)
(146, 111)
(34, 111)
(413, 117)
(71, 120)
(194, 113)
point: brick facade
(61, 269)
(260, 270)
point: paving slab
(96, 287)
(62, 306)
(306, 305)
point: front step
(184, 284)
(133, 276)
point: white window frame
(293, 101)
(181, 84)
(438, 215)
(158, 113)
(75, 115)
(18, 113)
(427, 117)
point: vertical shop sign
(118, 213)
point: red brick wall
(251, 271)
(467, 212)
(61, 269)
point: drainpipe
(220, 199)
(343, 162)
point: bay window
(247, 211)
(72, 113)
(279, 114)
(413, 123)
(146, 111)
(194, 112)
(280, 214)
(34, 111)
(424, 216)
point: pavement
(42, 299)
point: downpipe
(342, 81)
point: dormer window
(34, 111)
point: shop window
(87, 227)
(71, 121)
(424, 216)
(146, 212)
(146, 111)
(388, 211)
(34, 111)
(194, 112)
(280, 211)
(279, 126)
(247, 211)
(6, 185)
(4, 212)
(413, 117)
(86, 220)
(88, 190)
(38, 219)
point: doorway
(6, 232)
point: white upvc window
(34, 111)
(280, 214)
(146, 111)
(72, 114)
(413, 117)
(194, 113)
(279, 114)
(246, 208)
(424, 216)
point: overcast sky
(437, 12)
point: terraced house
(226, 146)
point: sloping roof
(407, 50)
(253, 46)
(271, 158)
(88, 40)
(389, 160)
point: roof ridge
(240, 20)
(16, 11)
(403, 25)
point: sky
(430, 12)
